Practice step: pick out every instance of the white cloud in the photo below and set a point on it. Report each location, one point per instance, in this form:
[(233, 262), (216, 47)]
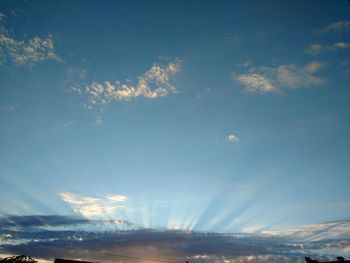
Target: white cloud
[(336, 27), (315, 66), (26, 52), (256, 83), (91, 207), (315, 49), (273, 79), (154, 83), (232, 138), (117, 198)]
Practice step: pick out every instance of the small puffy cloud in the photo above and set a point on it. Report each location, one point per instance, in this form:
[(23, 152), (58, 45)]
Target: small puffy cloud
[(315, 49), (338, 27), (273, 79), (26, 52), (232, 138), (91, 207), (315, 66), (154, 83)]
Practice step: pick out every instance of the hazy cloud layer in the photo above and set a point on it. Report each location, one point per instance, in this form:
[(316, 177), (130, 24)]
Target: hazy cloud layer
[(154, 83), (274, 79), (338, 27), (26, 52)]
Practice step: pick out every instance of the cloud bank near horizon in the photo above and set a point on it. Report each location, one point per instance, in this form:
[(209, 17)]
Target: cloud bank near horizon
[(98, 240)]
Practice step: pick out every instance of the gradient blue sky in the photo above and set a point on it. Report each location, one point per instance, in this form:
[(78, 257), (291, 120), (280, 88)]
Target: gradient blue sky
[(206, 115)]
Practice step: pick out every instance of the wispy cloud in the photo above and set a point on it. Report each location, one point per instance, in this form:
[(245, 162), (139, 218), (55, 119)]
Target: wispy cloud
[(338, 27), (273, 79), (92, 207), (25, 52), (232, 138), (2, 17), (11, 107), (254, 83), (315, 66), (315, 49), (153, 84)]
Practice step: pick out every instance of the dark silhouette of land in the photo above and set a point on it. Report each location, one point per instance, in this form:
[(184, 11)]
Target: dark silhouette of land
[(29, 259), (339, 259)]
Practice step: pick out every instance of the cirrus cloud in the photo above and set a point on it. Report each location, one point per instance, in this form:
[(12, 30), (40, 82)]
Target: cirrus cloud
[(315, 49), (338, 27), (274, 79)]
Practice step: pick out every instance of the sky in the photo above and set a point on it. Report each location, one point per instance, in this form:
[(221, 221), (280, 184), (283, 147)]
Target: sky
[(207, 116)]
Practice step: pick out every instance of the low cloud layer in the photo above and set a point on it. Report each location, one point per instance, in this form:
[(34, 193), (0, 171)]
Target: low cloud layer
[(49, 237), (275, 79)]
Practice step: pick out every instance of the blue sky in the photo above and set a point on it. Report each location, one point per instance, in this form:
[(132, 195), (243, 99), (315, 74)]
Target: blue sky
[(204, 115)]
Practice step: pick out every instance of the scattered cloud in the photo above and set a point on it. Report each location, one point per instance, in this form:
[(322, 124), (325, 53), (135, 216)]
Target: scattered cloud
[(315, 66), (315, 49), (75, 74), (246, 63), (154, 83), (74, 90), (203, 93), (232, 138), (91, 207), (339, 28), (254, 83), (26, 52), (68, 124), (273, 79)]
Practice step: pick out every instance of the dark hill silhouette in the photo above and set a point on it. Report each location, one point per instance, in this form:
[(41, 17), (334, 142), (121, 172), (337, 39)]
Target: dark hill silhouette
[(19, 259)]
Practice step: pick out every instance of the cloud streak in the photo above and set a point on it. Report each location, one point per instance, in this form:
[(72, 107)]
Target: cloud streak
[(274, 79), (316, 49), (338, 27)]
